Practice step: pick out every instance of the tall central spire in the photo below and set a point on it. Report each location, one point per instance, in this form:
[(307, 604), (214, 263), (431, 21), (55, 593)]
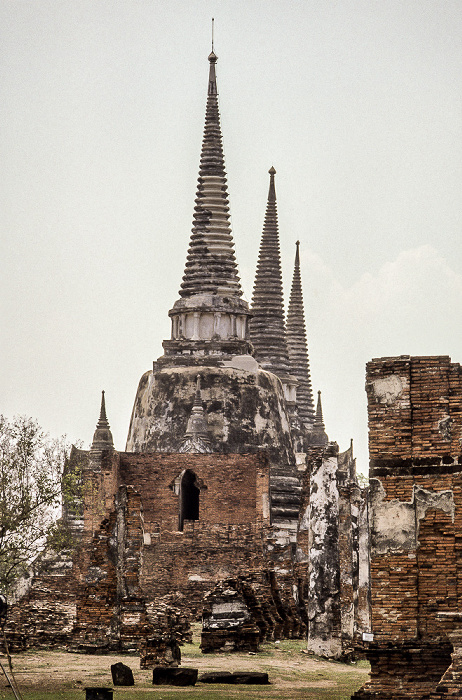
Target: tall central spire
[(210, 318), (211, 265)]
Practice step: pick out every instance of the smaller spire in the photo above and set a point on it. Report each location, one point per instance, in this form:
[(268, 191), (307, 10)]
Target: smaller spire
[(318, 435), (318, 421), (197, 396), (298, 347), (196, 437), (103, 422), (102, 437), (267, 326)]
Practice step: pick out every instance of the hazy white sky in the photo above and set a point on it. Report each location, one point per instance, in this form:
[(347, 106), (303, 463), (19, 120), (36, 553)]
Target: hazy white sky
[(356, 103)]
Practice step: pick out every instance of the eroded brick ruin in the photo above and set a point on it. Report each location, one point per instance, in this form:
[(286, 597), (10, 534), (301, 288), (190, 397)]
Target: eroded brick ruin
[(231, 505), (229, 502), (415, 429)]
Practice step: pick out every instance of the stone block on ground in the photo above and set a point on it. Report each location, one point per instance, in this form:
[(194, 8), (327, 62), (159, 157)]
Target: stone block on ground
[(121, 674), (236, 678), (98, 693), (165, 675), (216, 677), (251, 678)]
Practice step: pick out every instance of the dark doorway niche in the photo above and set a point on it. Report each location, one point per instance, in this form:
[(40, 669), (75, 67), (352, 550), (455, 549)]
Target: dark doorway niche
[(189, 498)]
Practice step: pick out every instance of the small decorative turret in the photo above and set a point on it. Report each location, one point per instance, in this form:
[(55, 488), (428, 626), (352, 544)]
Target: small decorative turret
[(267, 330), (298, 348), (196, 437), (318, 435), (210, 317), (102, 438)]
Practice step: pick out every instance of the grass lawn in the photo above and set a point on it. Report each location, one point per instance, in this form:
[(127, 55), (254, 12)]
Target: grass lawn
[(293, 675)]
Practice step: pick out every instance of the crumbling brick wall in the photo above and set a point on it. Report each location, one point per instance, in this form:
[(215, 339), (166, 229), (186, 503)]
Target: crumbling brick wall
[(46, 614), (133, 551), (415, 429), (111, 611), (225, 540), (241, 612), (131, 554)]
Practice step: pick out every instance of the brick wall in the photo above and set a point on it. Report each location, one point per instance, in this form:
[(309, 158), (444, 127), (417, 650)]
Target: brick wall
[(232, 486), (132, 557), (415, 429), (192, 561)]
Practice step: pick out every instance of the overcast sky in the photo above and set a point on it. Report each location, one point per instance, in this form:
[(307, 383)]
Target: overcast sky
[(356, 103)]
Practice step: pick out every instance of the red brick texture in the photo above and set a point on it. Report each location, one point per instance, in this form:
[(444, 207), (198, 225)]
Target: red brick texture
[(135, 571), (415, 427)]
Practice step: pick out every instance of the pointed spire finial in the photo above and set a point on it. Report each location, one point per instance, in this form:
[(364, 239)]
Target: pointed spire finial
[(298, 347), (213, 22), (272, 188), (297, 254), (102, 413), (197, 397), (212, 89)]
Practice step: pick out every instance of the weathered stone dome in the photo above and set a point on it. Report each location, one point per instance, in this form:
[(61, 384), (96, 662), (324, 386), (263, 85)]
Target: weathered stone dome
[(244, 408)]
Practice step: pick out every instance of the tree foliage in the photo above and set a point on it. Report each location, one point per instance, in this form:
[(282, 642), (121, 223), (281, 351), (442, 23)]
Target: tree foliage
[(363, 480), (31, 487)]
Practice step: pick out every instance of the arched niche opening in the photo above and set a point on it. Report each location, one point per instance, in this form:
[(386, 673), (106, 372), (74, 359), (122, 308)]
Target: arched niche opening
[(189, 498)]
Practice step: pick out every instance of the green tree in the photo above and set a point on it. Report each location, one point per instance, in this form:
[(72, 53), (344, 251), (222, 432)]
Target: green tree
[(32, 484)]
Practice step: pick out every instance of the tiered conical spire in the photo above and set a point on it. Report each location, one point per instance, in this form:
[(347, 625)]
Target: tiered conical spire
[(211, 265), (267, 330), (102, 437), (298, 348)]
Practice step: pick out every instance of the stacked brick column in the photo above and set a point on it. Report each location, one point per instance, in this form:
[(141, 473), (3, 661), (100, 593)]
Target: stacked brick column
[(414, 406)]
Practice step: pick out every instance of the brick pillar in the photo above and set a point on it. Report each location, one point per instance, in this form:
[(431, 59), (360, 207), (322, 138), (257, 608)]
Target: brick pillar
[(414, 408)]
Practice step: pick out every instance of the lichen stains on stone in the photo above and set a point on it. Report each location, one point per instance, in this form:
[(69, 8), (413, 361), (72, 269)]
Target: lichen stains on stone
[(242, 414)]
